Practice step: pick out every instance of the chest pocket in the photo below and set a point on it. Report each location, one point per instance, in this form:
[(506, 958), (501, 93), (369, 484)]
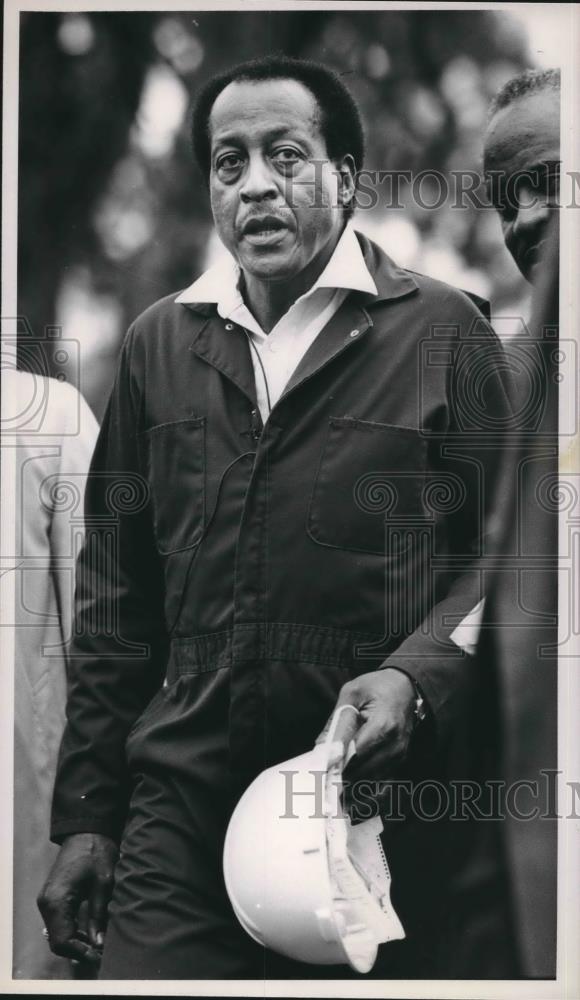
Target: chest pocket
[(369, 475), (175, 463)]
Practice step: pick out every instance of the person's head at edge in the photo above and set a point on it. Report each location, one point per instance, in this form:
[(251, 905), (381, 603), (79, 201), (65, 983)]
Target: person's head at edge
[(280, 142), (522, 160)]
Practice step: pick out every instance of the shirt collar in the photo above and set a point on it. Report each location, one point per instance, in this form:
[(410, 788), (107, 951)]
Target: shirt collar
[(345, 269)]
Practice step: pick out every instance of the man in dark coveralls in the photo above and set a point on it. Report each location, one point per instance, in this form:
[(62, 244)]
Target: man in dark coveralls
[(285, 511)]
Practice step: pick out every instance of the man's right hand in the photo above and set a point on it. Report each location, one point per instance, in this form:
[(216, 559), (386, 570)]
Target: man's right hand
[(83, 871)]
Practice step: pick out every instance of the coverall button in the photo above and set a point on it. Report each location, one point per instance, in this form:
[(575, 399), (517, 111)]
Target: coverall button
[(229, 326), (354, 333)]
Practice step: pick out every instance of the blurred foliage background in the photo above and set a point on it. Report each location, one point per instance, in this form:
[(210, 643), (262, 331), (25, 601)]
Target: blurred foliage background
[(112, 212)]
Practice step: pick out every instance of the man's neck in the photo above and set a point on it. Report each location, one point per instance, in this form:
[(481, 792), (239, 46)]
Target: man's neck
[(269, 300), (268, 303)]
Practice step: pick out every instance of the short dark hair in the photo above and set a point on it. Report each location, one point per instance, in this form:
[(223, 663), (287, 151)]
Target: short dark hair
[(528, 82), (341, 122)]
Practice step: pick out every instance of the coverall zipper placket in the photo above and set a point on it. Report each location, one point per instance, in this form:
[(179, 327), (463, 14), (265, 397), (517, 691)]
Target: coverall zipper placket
[(248, 701)]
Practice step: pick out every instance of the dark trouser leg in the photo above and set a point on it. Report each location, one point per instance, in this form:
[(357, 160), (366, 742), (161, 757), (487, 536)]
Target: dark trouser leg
[(170, 917)]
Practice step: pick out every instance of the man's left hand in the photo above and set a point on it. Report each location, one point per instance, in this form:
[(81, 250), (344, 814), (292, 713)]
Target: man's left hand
[(386, 703)]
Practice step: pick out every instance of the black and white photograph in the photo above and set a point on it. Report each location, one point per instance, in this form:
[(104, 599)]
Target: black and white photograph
[(290, 499)]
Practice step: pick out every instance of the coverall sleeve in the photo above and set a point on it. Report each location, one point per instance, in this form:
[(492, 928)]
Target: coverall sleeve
[(480, 404), (119, 647)]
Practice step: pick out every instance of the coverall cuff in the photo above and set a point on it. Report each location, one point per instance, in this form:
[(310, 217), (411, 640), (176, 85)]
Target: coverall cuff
[(419, 695), (107, 827), (445, 682)]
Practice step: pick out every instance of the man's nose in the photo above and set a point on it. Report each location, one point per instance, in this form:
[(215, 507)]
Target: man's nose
[(258, 181)]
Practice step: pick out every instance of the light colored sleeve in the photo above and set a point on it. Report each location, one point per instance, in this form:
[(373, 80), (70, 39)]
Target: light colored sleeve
[(80, 430)]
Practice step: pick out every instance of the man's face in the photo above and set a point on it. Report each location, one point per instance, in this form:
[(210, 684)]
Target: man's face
[(275, 196), (521, 163)]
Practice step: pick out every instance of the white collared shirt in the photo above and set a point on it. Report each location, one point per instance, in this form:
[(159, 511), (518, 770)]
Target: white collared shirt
[(276, 355)]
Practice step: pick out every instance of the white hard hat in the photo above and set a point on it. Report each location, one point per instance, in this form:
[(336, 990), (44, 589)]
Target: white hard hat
[(301, 878)]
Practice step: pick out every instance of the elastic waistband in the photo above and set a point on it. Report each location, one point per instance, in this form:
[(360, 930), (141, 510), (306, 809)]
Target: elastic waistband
[(269, 641)]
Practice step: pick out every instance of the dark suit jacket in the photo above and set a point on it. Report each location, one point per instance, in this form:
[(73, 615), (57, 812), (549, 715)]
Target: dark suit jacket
[(520, 633)]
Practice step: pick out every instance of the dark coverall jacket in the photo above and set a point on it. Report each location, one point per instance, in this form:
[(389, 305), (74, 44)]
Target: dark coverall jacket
[(235, 576)]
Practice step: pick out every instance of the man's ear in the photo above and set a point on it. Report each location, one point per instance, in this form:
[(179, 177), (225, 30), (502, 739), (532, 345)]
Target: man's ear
[(345, 168)]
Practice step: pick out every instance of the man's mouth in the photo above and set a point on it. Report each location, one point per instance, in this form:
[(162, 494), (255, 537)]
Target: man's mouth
[(264, 230)]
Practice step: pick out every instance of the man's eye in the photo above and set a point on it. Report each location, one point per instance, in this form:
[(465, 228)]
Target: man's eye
[(228, 164), (541, 182), (286, 158)]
